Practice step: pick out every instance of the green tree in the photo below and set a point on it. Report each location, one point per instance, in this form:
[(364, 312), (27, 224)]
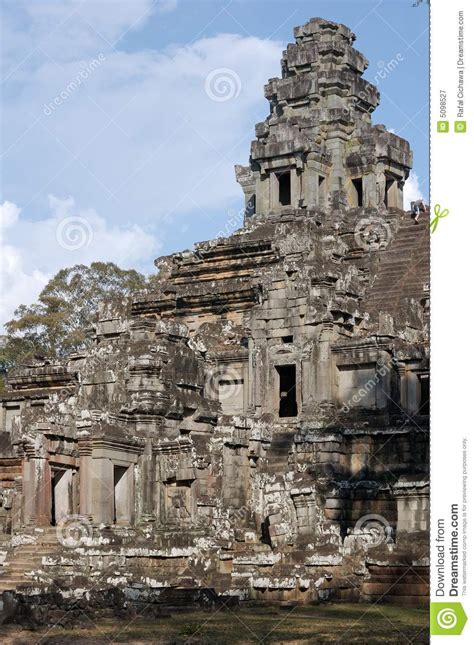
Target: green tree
[(57, 324)]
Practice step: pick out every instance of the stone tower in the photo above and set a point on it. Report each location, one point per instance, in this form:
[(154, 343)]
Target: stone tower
[(318, 148), (257, 424)]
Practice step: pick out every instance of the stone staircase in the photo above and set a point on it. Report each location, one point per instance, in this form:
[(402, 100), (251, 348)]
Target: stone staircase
[(23, 562), (400, 585), (404, 269)]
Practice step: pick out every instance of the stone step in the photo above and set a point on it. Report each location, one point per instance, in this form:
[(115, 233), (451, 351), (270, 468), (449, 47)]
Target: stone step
[(395, 589), (14, 580), (36, 549), (408, 578), (21, 566), (405, 601), (396, 569)]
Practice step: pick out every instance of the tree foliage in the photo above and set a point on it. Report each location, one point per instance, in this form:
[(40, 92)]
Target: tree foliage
[(59, 322)]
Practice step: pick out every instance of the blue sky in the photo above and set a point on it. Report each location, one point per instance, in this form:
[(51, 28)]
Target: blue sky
[(113, 149)]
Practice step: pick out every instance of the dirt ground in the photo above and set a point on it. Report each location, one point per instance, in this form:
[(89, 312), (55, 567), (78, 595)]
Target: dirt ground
[(308, 625)]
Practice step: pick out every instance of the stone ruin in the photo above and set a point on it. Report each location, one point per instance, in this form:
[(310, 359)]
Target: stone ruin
[(257, 427)]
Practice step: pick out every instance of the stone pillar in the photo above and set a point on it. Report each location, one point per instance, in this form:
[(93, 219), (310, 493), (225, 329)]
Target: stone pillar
[(40, 477), (380, 184), (259, 378), (251, 376), (311, 184), (336, 147), (296, 187), (262, 203), (308, 375), (369, 190), (85, 478), (307, 391), (412, 390), (146, 511), (102, 482), (323, 366), (28, 494), (245, 177), (17, 510)]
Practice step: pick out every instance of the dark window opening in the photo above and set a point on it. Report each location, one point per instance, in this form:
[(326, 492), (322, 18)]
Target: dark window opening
[(287, 339), (357, 183), (388, 185), (287, 391), (250, 207), (56, 476), (284, 188), (424, 407), (54, 481), (321, 190)]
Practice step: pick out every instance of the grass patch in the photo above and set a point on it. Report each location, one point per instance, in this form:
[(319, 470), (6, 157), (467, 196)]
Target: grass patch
[(302, 625)]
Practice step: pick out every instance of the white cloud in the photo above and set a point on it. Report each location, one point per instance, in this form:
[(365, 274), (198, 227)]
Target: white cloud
[(147, 136), (411, 191), (9, 213), (32, 252)]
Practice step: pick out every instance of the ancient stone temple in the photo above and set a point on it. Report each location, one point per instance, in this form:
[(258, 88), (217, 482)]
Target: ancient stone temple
[(258, 425)]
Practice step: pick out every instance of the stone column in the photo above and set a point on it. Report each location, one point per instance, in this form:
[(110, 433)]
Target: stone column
[(28, 493), (262, 204), (369, 190), (380, 180), (336, 147), (323, 366), (40, 475), (310, 184), (245, 177), (412, 391), (102, 482), (251, 377), (17, 510), (146, 511), (308, 380), (85, 478), (296, 187)]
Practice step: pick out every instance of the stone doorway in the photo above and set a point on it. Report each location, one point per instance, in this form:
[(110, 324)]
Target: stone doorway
[(61, 494), (122, 495)]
